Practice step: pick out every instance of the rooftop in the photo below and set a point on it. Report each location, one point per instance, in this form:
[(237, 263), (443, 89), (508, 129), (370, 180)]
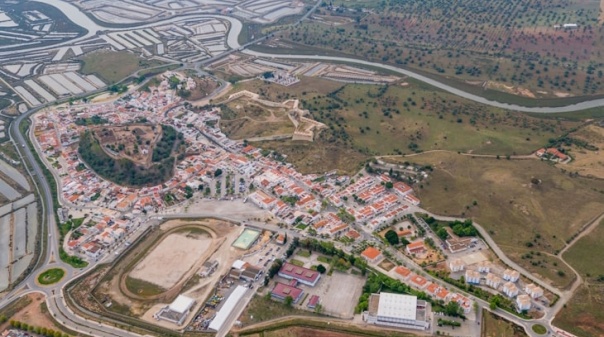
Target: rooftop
[(397, 306), (371, 253)]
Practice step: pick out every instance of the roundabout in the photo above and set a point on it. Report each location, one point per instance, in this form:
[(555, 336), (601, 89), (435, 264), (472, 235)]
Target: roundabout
[(51, 276)]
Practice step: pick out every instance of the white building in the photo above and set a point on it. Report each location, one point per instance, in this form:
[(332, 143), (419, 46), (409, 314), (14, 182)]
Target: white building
[(396, 310), (533, 291), (177, 311), (510, 289), (523, 302), (472, 277), (493, 281), (484, 267), (511, 275), (456, 265)]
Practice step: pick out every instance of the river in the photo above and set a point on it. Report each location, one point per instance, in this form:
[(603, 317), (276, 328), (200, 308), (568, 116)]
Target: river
[(79, 18)]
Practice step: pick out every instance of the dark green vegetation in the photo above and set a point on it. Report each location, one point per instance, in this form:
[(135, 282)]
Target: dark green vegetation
[(124, 171), (70, 224), (459, 228), (51, 276), (513, 45), (164, 148), (528, 221), (94, 120)]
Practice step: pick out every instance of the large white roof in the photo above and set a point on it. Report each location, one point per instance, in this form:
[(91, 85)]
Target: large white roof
[(227, 308), (181, 304), (238, 264), (397, 306)]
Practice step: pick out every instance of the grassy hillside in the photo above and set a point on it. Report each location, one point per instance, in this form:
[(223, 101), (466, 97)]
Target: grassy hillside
[(527, 220)]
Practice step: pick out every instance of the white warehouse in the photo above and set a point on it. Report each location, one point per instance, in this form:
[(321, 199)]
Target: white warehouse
[(402, 311)]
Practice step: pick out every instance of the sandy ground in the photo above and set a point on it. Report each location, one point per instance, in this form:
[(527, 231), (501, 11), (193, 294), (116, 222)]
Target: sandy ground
[(225, 254), (32, 314), (171, 259)]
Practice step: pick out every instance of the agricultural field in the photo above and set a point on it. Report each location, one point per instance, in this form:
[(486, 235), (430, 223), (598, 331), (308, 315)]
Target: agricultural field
[(495, 326), (520, 48), (583, 314), (526, 205), (112, 66)]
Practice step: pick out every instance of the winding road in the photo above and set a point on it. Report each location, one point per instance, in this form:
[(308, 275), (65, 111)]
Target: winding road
[(54, 293)]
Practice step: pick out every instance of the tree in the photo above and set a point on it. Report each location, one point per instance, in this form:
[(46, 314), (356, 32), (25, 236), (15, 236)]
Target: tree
[(318, 308), (453, 309), (321, 269), (389, 184), (392, 237), (217, 173), (289, 301), (442, 233)]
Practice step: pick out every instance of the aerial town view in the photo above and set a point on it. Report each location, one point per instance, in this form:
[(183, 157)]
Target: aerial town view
[(301, 168)]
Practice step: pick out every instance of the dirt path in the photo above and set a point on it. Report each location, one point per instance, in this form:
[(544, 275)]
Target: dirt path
[(329, 320), (518, 157)]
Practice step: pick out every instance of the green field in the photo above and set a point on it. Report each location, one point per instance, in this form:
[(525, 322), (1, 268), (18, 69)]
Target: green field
[(519, 215), (261, 309), (583, 314), (584, 255), (113, 66), (495, 326), (51, 276), (143, 288)]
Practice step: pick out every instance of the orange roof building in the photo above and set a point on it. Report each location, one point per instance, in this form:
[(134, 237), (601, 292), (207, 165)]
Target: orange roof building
[(371, 254)]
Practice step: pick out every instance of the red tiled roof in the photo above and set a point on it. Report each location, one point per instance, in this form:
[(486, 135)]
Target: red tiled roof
[(371, 253)]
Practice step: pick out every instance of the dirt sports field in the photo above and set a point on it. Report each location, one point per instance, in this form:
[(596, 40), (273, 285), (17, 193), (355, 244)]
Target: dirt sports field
[(171, 259)]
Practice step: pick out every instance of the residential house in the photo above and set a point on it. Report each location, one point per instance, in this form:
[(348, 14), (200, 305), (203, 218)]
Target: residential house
[(510, 289), (523, 303), (472, 277), (511, 275), (493, 280), (533, 290), (456, 265), (416, 247), (371, 255)]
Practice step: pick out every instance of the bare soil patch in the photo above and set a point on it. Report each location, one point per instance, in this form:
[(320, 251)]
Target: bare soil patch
[(170, 260)]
